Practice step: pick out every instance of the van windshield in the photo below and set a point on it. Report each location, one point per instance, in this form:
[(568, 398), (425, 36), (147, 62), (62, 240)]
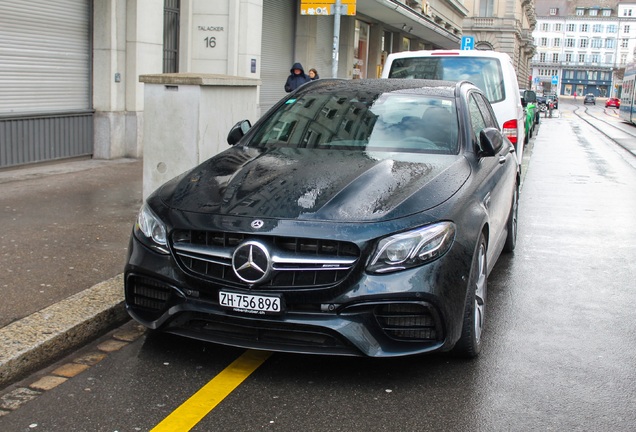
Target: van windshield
[(485, 73)]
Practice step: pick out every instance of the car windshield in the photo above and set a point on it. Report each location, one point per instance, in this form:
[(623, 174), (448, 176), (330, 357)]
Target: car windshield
[(397, 121), (485, 73)]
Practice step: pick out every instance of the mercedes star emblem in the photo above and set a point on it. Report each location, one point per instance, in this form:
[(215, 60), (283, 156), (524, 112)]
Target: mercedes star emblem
[(251, 262), (257, 224)]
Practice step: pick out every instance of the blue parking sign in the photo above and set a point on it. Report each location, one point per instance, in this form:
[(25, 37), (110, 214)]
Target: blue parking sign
[(555, 79), (468, 42)]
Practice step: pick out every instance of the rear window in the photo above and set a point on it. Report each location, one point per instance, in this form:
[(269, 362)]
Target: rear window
[(485, 73)]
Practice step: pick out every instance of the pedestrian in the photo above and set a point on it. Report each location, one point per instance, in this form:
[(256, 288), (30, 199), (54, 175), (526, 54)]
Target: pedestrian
[(296, 78), (574, 95), (313, 74)]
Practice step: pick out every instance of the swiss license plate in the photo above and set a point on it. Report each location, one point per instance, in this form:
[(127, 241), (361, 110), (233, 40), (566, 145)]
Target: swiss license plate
[(249, 303)]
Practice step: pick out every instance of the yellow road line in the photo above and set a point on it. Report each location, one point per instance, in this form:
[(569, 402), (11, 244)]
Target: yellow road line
[(186, 416)]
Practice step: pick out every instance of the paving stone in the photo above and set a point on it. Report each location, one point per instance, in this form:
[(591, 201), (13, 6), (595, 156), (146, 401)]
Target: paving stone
[(48, 382), (111, 345), (129, 335), (91, 359), (13, 400), (70, 370)]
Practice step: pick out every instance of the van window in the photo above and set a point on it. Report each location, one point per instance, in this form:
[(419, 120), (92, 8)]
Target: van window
[(485, 73)]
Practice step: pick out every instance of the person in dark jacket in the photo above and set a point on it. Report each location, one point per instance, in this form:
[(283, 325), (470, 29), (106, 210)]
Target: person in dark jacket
[(313, 74), (296, 78)]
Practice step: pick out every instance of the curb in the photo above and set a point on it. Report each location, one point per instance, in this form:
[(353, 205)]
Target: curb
[(40, 338)]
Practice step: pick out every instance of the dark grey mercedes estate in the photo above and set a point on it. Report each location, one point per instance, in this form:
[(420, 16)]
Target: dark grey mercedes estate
[(357, 217)]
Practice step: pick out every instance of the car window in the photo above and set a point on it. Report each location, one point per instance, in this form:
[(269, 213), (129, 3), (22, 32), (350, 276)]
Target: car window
[(489, 117), (485, 73), (387, 122), (477, 121)]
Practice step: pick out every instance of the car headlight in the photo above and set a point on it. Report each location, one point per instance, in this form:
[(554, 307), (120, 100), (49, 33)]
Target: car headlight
[(150, 230), (412, 248)]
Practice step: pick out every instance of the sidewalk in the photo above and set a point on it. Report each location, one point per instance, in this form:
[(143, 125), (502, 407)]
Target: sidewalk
[(66, 228)]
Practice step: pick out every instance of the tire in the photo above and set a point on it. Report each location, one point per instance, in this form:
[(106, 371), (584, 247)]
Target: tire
[(469, 344), (511, 225)]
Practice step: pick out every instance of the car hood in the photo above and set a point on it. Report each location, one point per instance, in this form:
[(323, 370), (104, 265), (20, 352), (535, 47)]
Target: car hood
[(309, 184)]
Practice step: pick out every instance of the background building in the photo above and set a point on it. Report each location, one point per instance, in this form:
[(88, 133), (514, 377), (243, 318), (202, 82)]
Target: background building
[(69, 69), (582, 46)]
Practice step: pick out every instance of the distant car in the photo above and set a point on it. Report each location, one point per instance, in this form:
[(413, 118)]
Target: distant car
[(589, 99), (554, 98), (356, 217), (529, 103), (613, 102)]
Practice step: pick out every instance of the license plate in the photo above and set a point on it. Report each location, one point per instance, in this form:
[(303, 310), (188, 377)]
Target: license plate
[(248, 303)]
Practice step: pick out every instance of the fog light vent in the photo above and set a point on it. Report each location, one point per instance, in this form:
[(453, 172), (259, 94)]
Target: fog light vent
[(409, 322), (149, 294)]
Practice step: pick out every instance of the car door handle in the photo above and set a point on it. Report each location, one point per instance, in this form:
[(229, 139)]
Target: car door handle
[(502, 160)]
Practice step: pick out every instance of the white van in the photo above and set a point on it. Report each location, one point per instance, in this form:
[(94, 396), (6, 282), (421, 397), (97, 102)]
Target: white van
[(491, 71)]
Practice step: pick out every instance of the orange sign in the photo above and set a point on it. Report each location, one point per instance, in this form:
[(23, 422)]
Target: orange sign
[(327, 7)]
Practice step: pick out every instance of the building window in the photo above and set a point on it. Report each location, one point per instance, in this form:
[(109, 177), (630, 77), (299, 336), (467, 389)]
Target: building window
[(623, 59), (543, 42), (545, 27), (486, 8), (607, 12), (542, 57), (581, 58), (610, 43), (557, 42), (554, 11), (571, 27), (596, 58), (583, 43), (555, 57), (593, 12), (597, 43), (570, 42), (583, 28), (558, 27), (627, 12), (624, 43), (580, 11), (568, 57), (171, 36), (597, 28), (612, 28), (626, 29)]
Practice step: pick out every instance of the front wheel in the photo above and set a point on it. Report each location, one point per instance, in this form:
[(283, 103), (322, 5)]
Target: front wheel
[(469, 344)]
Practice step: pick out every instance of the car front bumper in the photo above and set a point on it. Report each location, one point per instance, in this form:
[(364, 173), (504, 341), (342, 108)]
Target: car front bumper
[(409, 312)]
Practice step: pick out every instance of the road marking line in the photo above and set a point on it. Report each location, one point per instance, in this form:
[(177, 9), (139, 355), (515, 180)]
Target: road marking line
[(186, 416)]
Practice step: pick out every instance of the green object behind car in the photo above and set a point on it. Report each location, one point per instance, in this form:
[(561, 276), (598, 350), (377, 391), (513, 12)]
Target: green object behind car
[(529, 102)]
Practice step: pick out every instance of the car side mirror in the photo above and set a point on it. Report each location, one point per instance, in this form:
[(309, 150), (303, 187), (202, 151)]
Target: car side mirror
[(238, 131), (529, 96), (490, 141)]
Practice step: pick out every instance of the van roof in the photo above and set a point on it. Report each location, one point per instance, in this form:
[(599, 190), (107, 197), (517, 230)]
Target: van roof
[(463, 53)]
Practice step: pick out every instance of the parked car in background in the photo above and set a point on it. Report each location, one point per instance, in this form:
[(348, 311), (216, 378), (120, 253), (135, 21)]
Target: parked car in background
[(613, 103), (493, 72), (589, 99), (528, 101), (554, 98), (357, 217)]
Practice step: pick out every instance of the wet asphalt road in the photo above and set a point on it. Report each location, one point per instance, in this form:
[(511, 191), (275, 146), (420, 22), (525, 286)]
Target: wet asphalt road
[(559, 350)]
